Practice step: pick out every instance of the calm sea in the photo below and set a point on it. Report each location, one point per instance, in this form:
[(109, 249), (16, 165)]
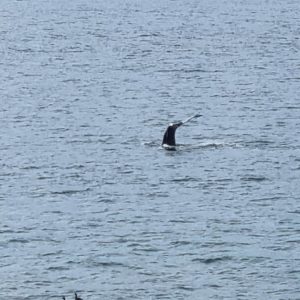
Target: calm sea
[(89, 202)]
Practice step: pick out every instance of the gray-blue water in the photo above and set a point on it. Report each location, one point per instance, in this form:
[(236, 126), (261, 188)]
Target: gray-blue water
[(89, 202)]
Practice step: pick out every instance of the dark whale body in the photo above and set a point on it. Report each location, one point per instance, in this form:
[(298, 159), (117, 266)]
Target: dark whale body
[(169, 141)]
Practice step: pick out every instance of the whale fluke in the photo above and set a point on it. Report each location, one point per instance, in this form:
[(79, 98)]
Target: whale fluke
[(169, 141)]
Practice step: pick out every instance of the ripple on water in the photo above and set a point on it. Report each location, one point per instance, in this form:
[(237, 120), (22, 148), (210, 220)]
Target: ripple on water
[(90, 201)]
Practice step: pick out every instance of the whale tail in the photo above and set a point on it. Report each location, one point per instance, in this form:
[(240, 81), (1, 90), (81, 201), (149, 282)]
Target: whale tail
[(169, 136), (169, 142)]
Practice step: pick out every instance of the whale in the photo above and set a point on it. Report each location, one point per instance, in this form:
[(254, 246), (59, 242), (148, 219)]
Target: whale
[(169, 140)]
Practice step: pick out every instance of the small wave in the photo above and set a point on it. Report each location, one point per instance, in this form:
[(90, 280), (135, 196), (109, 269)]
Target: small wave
[(259, 143), (69, 192), (108, 264), (212, 144), (151, 144), (186, 288), (211, 260), (52, 253), (254, 178), (26, 50), (266, 199), (7, 231), (150, 34), (293, 107), (22, 241), (58, 268), (214, 286), (150, 249), (184, 179), (194, 71), (180, 221), (203, 145), (180, 243), (29, 168)]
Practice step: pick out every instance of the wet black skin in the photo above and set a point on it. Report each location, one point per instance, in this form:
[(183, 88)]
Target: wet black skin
[(169, 136)]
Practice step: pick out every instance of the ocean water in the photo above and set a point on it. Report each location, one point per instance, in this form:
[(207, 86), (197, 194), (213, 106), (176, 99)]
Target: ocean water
[(89, 202)]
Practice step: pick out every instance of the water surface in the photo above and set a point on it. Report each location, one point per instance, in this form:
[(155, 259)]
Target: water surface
[(88, 199)]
